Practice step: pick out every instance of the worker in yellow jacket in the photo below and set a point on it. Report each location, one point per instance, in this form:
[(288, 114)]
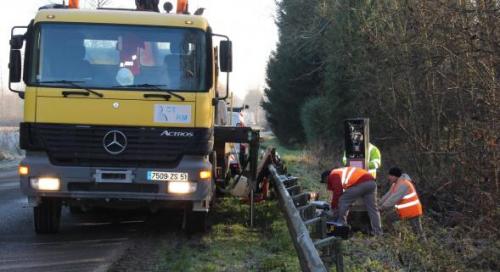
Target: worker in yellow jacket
[(374, 159)]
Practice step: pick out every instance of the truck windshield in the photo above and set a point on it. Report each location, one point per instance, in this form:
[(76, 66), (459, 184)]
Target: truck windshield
[(120, 57)]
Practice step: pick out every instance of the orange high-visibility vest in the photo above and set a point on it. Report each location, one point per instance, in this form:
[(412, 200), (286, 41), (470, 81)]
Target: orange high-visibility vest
[(409, 206), (350, 176)]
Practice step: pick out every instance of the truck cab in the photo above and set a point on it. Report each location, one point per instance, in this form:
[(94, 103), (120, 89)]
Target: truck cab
[(118, 111)]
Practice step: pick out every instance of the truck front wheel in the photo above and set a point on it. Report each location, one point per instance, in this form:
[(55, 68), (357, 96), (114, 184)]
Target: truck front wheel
[(47, 216)]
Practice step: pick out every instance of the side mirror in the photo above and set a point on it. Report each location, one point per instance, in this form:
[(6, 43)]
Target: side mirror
[(16, 42), (15, 66), (226, 56)]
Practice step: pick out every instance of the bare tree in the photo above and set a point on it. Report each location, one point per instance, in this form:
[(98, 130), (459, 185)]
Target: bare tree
[(253, 99)]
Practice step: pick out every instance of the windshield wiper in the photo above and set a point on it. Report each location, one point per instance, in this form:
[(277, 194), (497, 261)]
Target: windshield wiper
[(74, 84), (156, 87)]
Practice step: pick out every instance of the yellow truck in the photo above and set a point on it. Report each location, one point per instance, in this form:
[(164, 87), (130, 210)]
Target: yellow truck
[(118, 111)]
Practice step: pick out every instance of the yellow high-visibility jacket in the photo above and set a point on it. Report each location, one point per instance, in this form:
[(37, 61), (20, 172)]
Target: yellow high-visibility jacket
[(374, 159)]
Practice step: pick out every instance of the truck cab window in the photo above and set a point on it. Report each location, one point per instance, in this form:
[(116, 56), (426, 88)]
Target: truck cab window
[(96, 56)]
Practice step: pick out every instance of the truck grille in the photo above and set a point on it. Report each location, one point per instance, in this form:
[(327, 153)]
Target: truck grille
[(113, 187), (146, 146)]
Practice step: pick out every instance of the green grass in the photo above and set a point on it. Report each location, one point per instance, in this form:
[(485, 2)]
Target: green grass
[(231, 245), (399, 250), (300, 163)]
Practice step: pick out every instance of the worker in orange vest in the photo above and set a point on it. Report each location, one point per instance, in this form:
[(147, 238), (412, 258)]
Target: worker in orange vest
[(348, 184), (401, 202)]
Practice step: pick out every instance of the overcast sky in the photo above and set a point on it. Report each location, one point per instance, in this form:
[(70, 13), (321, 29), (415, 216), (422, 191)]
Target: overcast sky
[(249, 23)]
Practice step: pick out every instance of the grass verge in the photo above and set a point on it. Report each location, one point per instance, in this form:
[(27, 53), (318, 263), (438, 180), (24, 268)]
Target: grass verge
[(232, 245), (446, 249)]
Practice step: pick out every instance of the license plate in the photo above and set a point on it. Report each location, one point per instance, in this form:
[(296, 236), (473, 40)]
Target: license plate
[(167, 176)]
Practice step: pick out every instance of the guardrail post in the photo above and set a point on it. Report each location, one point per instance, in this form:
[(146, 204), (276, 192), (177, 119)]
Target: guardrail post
[(289, 181), (307, 212), (339, 260), (294, 190), (300, 199), (301, 217), (308, 255)]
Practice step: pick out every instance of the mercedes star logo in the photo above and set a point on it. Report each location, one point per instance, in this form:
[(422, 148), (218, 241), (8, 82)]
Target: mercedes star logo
[(114, 142)]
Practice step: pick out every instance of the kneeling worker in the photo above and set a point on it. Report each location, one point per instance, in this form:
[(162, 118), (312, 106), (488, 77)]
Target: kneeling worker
[(348, 184), (401, 202)]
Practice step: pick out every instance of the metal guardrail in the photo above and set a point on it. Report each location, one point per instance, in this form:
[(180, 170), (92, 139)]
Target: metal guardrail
[(300, 216)]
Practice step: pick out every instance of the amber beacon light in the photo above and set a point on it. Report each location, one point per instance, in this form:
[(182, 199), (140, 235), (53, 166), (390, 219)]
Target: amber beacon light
[(74, 4), (205, 174), (182, 6), (23, 170)]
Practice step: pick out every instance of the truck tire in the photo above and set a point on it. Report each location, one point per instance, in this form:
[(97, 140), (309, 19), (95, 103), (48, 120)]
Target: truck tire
[(47, 216), (196, 222), (75, 210)]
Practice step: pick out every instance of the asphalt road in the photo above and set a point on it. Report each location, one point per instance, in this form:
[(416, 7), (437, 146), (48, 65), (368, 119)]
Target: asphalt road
[(88, 242)]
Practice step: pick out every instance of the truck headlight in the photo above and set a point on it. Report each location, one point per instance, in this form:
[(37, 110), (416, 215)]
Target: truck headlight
[(181, 187), (45, 184)]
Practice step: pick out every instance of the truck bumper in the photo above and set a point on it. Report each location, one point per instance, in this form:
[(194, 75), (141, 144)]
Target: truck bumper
[(85, 185)]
